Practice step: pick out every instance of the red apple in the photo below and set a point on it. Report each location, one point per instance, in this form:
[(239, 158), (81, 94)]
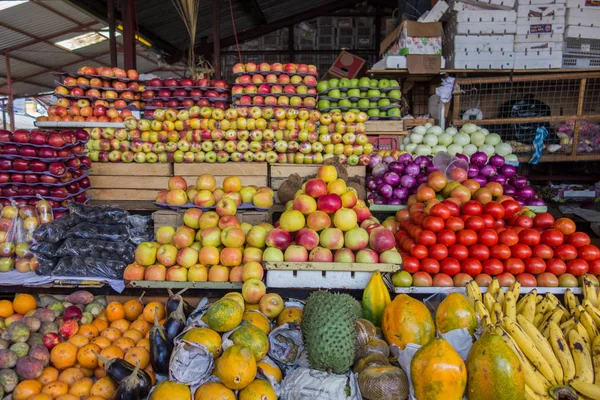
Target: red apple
[(37, 166), (11, 149), (57, 168), (28, 151), (172, 82), (31, 178), (38, 137), (20, 165), (155, 82), (48, 179)]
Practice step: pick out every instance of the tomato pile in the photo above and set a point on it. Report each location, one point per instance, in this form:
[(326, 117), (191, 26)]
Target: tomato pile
[(445, 244)]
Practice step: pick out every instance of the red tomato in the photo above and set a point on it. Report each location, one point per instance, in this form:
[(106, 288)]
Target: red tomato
[(556, 266), (514, 266), (411, 264), (543, 251), (588, 252), (408, 245), (440, 210), (471, 266), (422, 279), (472, 207), (488, 237), (430, 266), (479, 252), (500, 252), (494, 209), (520, 251), (493, 267), (426, 238), (543, 220), (517, 229), (401, 234), (483, 280), (450, 266), (595, 266), (414, 231), (535, 265), (552, 237), (418, 217), (442, 280), (488, 221), (508, 237), (453, 207), (438, 252), (527, 280), (547, 279), (530, 237), (466, 237), (499, 223), (577, 266), (566, 252), (565, 225), (506, 279), (524, 221), (510, 208), (455, 224), (475, 223), (419, 252), (458, 251), (446, 237), (579, 239), (434, 224)]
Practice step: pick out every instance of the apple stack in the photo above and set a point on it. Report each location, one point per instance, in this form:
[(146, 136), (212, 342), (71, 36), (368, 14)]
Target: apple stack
[(283, 85), (96, 95), (184, 93), (378, 98), (210, 246), (321, 224)]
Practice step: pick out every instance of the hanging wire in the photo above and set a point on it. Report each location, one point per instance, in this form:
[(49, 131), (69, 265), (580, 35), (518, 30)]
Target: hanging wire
[(237, 43)]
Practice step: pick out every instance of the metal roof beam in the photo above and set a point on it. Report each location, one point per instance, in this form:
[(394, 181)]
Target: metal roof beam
[(25, 81), (253, 7), (81, 28), (12, 56)]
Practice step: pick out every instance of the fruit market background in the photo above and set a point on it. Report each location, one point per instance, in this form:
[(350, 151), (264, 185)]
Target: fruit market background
[(261, 200)]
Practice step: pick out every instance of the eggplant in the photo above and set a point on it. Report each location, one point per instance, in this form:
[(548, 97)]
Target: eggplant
[(160, 348), (174, 300), (119, 370), (175, 323), (129, 388)]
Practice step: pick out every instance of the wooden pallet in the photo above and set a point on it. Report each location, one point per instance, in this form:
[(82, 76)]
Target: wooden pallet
[(280, 172), (120, 181), (249, 173)]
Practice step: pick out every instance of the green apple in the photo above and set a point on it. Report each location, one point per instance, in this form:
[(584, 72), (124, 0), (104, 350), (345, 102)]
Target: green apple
[(343, 95), (354, 110), (363, 94), (384, 102), (394, 112), (394, 83), (364, 82), (322, 86), (333, 83), (394, 94), (353, 92), (335, 93), (373, 112), (354, 82), (344, 82), (383, 113), (373, 83), (333, 104), (335, 110), (352, 160), (345, 103), (372, 104), (402, 279), (354, 104), (323, 104), (363, 103), (383, 83), (373, 93)]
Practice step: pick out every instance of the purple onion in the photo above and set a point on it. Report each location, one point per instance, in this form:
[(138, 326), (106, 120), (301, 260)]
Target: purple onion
[(518, 182), (379, 200), (405, 158), (371, 184), (401, 192), (375, 160), (422, 161), (412, 169), (508, 170), (379, 181), (526, 192), (408, 181), (388, 159), (535, 202), (396, 167), (497, 160), (520, 201), (479, 158), (394, 201), (508, 189), (386, 190), (501, 179), (391, 178), (480, 179), (473, 170), (463, 157), (372, 196), (431, 168), (488, 170), (379, 170), (422, 178)]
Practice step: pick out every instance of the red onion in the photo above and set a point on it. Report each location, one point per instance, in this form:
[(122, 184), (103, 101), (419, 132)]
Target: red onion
[(379, 181), (375, 160), (488, 170), (405, 158), (412, 169), (518, 182), (526, 192), (371, 184), (501, 179), (473, 170), (508, 170), (372, 196), (431, 168), (388, 159), (480, 179), (422, 161), (401, 192), (508, 189), (379, 169), (391, 178), (479, 158), (497, 160), (394, 201), (535, 202), (408, 181), (422, 178), (379, 200), (396, 167), (462, 156), (520, 201), (386, 190)]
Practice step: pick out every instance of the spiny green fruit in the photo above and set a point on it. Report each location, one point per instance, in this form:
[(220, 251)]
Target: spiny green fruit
[(328, 326)]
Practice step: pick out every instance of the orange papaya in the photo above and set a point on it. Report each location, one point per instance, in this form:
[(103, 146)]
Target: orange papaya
[(455, 312), (407, 320)]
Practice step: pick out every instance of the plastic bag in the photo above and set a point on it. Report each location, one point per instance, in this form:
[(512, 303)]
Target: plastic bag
[(44, 265), (91, 231), (526, 107), (285, 344), (305, 383), (89, 267), (140, 229), (98, 214), (53, 232), (44, 249), (121, 251), (191, 363)]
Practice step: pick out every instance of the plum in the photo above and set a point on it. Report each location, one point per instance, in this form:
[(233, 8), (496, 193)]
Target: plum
[(18, 332), (21, 349), (4, 344), (35, 338), (29, 367), (8, 379), (45, 315), (32, 323), (80, 297), (48, 327), (8, 358), (40, 352)]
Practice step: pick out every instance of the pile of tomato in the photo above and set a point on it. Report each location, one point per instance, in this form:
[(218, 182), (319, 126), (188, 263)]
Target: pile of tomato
[(444, 244)]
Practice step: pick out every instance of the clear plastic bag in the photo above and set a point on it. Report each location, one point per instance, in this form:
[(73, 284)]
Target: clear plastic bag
[(140, 229), (91, 231), (98, 214), (89, 267), (54, 231), (120, 251), (46, 249), (45, 265)]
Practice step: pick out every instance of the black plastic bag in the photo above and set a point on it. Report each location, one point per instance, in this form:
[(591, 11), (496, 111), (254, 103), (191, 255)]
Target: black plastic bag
[(44, 249), (120, 251), (52, 232), (98, 214), (89, 267), (526, 107), (46, 266), (140, 228), (112, 233)]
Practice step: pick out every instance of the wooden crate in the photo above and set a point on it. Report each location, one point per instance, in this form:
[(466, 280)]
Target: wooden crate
[(120, 181), (385, 128), (280, 172), (249, 173)]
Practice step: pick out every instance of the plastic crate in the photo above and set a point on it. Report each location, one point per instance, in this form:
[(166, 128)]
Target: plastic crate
[(343, 31), (345, 41), (581, 47), (271, 41), (384, 142), (363, 22), (364, 42), (326, 42), (580, 62), (326, 30), (344, 23), (325, 21)]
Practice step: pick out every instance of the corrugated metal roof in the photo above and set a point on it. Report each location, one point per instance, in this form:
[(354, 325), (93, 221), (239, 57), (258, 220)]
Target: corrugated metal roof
[(12, 38), (45, 54), (18, 68), (35, 19), (73, 12)]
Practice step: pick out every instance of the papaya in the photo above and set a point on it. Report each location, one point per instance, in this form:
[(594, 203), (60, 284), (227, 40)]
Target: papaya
[(494, 371), (437, 372), (407, 320), (455, 312), (170, 390), (375, 298)]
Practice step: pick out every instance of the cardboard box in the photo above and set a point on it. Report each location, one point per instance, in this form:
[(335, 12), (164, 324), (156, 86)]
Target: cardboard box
[(538, 46), (582, 32), (398, 62), (483, 61), (538, 38), (536, 11), (583, 17), (540, 28), (483, 43), (436, 13), (347, 65), (464, 25), (583, 3), (540, 59), (413, 38), (541, 2), (493, 4)]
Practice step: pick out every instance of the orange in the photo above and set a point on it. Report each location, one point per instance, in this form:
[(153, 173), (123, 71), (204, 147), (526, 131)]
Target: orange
[(63, 355), (101, 341), (86, 371), (55, 389), (114, 311), (26, 389), (124, 343), (79, 340), (151, 308), (101, 324), (102, 315), (71, 375), (111, 334), (86, 356), (82, 387), (214, 390), (67, 397), (88, 330), (138, 355), (6, 308), (134, 335), (104, 388), (109, 353), (151, 374), (133, 309), (23, 303), (145, 343), (140, 325), (120, 324), (94, 398), (49, 374), (41, 396), (99, 373)]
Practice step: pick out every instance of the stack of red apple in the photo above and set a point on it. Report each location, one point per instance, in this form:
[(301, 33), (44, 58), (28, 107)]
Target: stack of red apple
[(96, 95), (321, 224), (284, 85), (185, 93), (50, 165)]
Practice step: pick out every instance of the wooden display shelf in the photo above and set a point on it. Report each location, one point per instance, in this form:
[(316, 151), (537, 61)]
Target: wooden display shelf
[(330, 266), (280, 172), (124, 181), (183, 285), (385, 128), (249, 173), (389, 72)]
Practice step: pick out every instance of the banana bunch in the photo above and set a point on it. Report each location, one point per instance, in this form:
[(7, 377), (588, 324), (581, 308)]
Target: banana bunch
[(558, 345)]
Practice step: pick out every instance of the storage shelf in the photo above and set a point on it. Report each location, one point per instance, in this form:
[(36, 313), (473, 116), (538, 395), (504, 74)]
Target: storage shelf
[(485, 71), (451, 289), (74, 124)]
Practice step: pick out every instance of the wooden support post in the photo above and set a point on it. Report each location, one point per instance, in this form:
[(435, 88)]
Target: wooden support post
[(112, 37), (291, 43), (577, 127), (216, 38), (11, 109), (129, 53)]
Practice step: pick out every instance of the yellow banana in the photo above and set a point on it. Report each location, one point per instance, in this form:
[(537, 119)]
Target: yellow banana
[(529, 349), (593, 311), (578, 310), (510, 306), (584, 370), (530, 394), (566, 326), (570, 300), (584, 335), (562, 352), (522, 302), (537, 320), (589, 291), (596, 359), (500, 296), (543, 346), (473, 291), (590, 326), (587, 389), (494, 287), (555, 317), (486, 321), (480, 309), (497, 314), (528, 310), (515, 288), (542, 307), (488, 301), (554, 301)]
